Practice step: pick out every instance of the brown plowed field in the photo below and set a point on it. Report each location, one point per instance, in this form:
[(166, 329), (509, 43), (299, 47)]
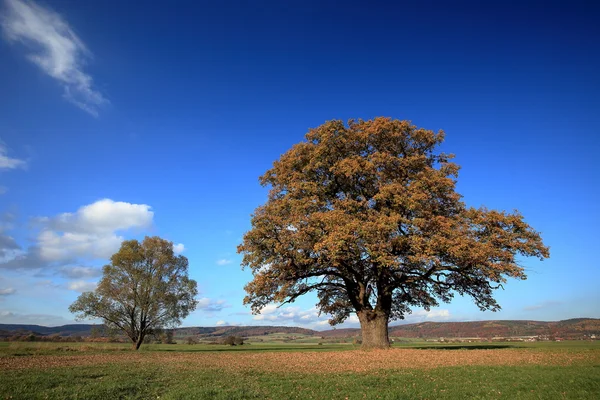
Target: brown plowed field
[(312, 362)]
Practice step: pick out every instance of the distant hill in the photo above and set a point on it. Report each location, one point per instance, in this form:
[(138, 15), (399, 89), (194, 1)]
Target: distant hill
[(8, 330), (568, 329), (571, 328), (38, 330), (221, 331)]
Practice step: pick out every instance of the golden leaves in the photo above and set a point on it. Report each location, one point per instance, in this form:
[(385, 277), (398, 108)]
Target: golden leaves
[(311, 362), (371, 203)]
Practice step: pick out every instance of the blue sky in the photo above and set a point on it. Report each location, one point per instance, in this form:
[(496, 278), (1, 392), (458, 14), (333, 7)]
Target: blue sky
[(119, 120)]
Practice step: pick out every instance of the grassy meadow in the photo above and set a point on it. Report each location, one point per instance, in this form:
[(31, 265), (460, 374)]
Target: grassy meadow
[(276, 370)]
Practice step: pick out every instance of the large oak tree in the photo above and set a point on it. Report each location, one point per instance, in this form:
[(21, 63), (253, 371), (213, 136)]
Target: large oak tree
[(144, 289), (367, 215)]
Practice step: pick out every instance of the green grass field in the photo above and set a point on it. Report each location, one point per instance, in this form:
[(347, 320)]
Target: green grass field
[(412, 370)]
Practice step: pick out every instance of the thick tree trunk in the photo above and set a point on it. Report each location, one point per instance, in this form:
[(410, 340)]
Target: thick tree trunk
[(374, 329)]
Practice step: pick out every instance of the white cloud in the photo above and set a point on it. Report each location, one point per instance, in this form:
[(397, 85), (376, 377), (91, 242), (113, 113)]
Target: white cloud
[(420, 315), (208, 305), (438, 314), (178, 248), (81, 286), (269, 309), (7, 291), (89, 233), (56, 49), (222, 323), (67, 246), (441, 314), (291, 316), (102, 216), (7, 162), (223, 261)]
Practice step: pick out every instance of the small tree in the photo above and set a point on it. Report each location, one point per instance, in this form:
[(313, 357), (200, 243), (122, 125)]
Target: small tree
[(238, 341), (366, 215), (95, 332), (145, 287), (229, 340), (167, 337), (191, 340)]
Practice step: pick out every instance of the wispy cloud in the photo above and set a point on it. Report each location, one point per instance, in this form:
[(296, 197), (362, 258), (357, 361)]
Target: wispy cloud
[(9, 248), (81, 286), (209, 305), (55, 48), (7, 291), (543, 305), (7, 162), (223, 261), (438, 314)]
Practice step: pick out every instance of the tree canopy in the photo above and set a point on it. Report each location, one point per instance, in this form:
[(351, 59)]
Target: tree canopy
[(143, 289), (367, 215)]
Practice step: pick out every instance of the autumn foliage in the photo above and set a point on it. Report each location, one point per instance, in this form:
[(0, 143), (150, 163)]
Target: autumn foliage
[(309, 362), (367, 215)]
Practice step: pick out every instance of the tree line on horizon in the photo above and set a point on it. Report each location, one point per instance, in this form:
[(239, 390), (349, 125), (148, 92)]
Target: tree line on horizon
[(572, 329)]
